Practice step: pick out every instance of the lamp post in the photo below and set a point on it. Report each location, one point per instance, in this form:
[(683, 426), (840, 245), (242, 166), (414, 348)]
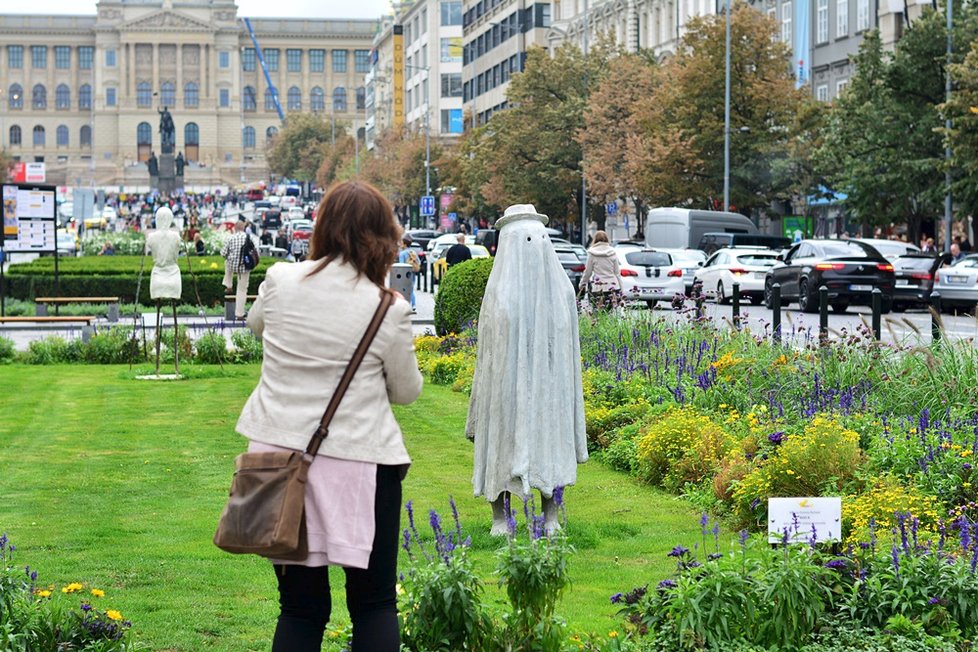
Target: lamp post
[(583, 178), (947, 126), (726, 116)]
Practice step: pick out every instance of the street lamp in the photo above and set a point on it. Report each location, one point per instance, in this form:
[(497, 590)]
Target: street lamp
[(726, 117), (947, 126)]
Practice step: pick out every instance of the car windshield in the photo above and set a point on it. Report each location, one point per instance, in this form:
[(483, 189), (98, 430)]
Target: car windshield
[(890, 248), (764, 260), (648, 259), (914, 262), (848, 249)]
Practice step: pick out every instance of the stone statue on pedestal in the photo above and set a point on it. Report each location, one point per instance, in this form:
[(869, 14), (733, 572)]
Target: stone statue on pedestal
[(180, 163), (168, 138), (153, 164)]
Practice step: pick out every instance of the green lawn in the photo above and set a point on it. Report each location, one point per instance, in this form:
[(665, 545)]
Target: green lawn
[(118, 483)]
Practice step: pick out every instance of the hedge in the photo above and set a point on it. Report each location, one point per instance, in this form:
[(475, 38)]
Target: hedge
[(459, 297), (117, 276)]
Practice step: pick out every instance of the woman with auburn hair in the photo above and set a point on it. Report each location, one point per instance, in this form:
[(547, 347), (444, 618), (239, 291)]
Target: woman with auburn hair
[(310, 316)]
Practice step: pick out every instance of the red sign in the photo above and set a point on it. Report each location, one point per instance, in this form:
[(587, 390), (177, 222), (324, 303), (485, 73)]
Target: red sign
[(19, 173)]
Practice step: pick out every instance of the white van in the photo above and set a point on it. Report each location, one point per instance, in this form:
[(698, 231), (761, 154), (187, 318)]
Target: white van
[(682, 228)]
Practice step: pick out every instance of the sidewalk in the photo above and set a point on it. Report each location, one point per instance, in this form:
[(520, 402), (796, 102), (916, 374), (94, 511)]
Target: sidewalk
[(23, 335)]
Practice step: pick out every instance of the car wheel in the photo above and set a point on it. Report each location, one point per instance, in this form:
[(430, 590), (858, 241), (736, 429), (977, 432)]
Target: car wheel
[(720, 296), (768, 295), (899, 307), (651, 303), (886, 305), (840, 308), (806, 301)]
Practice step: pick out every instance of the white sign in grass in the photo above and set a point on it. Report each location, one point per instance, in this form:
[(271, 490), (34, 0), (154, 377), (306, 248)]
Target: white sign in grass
[(804, 520)]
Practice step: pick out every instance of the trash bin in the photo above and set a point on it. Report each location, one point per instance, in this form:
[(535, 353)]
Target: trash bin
[(402, 279)]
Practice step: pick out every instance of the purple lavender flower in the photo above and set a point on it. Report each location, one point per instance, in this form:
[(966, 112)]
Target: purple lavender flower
[(666, 585), (678, 551), (837, 564), (895, 557), (406, 543), (559, 496), (754, 503), (965, 529), (458, 522), (776, 437), (966, 466), (743, 535), (86, 607), (935, 600), (616, 598), (716, 534), (704, 521), (713, 556), (942, 531)]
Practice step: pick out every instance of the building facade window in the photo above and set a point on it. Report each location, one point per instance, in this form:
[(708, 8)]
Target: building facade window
[(295, 99), (317, 60), (361, 61), (451, 121), (822, 21), (249, 99), (85, 136), (144, 94), (39, 56), (841, 18), (62, 97), (451, 85), (269, 100), (451, 13), (248, 59), (822, 92), (451, 49), (39, 136), (110, 58), (293, 59), (61, 136), (786, 37), (85, 97), (62, 57), (271, 59), (110, 96), (339, 60), (224, 98), (339, 99), (15, 135), (191, 95), (168, 93), (840, 86), (86, 56), (270, 134), (361, 98), (317, 99), (248, 138), (191, 141), (15, 97), (144, 134), (39, 97), (862, 15), (224, 59), (15, 56)]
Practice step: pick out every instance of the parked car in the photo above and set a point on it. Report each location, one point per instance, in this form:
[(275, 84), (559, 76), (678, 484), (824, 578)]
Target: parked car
[(747, 266), (681, 228), (572, 264), (296, 213), (712, 242), (851, 270), (649, 275), (271, 219), (958, 284), (690, 260), (422, 236), (891, 249), (914, 276), (441, 244)]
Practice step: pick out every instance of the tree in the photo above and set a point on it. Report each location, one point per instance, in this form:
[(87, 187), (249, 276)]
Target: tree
[(338, 157), (397, 165), (464, 169), (605, 139), (962, 109), (677, 157), (530, 151), (298, 150)]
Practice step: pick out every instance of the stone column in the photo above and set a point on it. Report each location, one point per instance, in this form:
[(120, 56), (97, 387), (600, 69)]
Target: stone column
[(156, 67), (131, 71), (203, 54), (179, 55)]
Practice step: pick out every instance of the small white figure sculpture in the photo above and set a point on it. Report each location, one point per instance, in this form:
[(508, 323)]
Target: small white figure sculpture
[(164, 282), (526, 413)]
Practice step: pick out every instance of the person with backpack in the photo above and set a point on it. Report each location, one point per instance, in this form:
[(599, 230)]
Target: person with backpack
[(409, 256), (240, 257)]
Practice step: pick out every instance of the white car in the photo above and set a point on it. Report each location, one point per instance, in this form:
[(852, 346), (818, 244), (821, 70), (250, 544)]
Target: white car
[(649, 275), (690, 260), (958, 284), (438, 246), (295, 213), (747, 266), (109, 214)]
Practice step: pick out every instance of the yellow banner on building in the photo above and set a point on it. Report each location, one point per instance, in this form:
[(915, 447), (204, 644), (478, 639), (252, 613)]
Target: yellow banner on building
[(398, 82)]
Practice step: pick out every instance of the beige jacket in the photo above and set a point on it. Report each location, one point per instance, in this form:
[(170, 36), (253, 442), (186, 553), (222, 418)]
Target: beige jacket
[(602, 269), (309, 328)]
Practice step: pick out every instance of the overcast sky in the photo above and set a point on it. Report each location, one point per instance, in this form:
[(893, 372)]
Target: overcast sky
[(246, 8)]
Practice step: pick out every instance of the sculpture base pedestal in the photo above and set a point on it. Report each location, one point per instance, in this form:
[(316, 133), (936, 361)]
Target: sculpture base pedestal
[(167, 181)]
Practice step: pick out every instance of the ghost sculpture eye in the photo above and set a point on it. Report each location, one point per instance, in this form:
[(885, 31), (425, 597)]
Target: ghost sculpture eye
[(528, 238)]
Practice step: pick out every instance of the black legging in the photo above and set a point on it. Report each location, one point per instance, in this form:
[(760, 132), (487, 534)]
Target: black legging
[(370, 593)]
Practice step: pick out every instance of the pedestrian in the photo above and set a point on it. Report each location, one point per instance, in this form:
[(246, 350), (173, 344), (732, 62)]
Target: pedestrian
[(107, 249), (956, 253), (408, 256), (233, 253), (602, 273), (315, 312), (199, 248), (458, 252)]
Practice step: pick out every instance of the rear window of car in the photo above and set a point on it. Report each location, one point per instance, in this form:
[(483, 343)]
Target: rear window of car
[(852, 249), (757, 259), (648, 259), (915, 263), (567, 257)]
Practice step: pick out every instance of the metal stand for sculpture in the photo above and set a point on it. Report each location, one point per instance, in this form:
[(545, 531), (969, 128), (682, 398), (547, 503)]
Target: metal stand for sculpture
[(526, 413)]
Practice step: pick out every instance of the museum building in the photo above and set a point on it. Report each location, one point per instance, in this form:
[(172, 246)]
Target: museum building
[(82, 93)]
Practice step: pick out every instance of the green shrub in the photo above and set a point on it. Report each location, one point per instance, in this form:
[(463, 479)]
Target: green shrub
[(460, 294), (211, 348), (166, 350), (247, 347), (681, 446), (50, 350), (111, 346), (7, 350)]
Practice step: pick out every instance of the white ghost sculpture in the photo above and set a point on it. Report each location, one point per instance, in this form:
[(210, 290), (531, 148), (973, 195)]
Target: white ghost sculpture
[(164, 245), (526, 412)]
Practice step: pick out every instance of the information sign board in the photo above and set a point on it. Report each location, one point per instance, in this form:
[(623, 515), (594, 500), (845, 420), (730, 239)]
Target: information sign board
[(427, 205), (802, 519), (29, 218)]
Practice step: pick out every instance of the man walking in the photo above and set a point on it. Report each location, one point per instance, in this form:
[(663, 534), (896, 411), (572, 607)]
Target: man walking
[(234, 264), (458, 252)]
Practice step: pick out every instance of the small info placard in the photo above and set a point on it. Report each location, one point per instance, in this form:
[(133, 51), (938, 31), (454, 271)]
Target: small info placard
[(799, 515)]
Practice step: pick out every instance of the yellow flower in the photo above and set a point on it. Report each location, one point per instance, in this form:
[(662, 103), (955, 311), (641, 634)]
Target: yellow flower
[(98, 593), (113, 614), (613, 634), (213, 265), (790, 472), (44, 593), (72, 588)]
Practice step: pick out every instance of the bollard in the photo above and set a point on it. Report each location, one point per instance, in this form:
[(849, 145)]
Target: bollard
[(877, 312), (823, 314), (736, 304), (935, 316), (776, 308)]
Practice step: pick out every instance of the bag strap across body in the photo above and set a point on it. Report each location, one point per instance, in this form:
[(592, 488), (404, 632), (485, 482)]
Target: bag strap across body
[(386, 299)]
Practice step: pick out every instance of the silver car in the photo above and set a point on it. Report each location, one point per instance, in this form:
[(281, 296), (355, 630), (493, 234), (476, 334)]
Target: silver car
[(958, 284)]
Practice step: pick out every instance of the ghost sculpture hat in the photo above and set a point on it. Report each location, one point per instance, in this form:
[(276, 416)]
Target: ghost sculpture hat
[(518, 212)]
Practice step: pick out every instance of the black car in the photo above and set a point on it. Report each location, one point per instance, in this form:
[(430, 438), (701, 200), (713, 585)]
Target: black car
[(914, 276), (572, 265), (422, 237), (850, 270)]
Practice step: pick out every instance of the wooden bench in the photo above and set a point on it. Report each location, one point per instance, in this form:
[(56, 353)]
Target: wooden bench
[(41, 304), (229, 300), (87, 322)]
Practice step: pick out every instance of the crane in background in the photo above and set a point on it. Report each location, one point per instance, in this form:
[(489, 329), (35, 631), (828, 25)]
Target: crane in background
[(264, 69)]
